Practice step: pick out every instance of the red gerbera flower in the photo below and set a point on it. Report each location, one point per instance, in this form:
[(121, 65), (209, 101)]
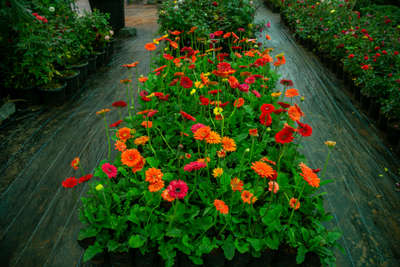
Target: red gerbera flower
[(187, 116), (70, 182), (85, 178), (186, 82), (265, 119), (285, 135), (119, 104), (284, 105), (304, 129), (286, 82), (115, 124), (267, 108)]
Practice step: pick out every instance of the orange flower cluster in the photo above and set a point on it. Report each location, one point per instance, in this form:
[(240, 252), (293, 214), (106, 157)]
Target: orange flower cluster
[(263, 169), (309, 175), (221, 206), (132, 158), (154, 177), (124, 134), (248, 197), (142, 140)]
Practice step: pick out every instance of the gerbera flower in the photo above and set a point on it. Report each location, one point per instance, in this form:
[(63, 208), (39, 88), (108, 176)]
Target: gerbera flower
[(265, 119), (153, 175), (131, 157), (221, 153), (273, 186), (248, 197), (295, 112), (166, 196), (124, 133), (304, 129), (132, 65), (292, 92), (283, 104), (193, 166), (177, 189), (70, 182), (187, 116), (228, 144), (233, 82), (309, 175), (276, 94), (186, 82), (147, 124), (268, 160), (285, 135), (237, 184), (115, 124), (217, 172), (213, 138), (109, 170), (103, 111), (85, 178), (256, 93), (250, 80), (196, 126), (238, 102), (139, 165), (150, 46), (263, 169), (267, 108), (221, 206), (119, 104), (253, 132), (330, 143), (202, 133), (142, 140), (294, 203), (156, 186), (286, 82), (143, 79), (120, 146), (75, 163), (243, 87), (125, 81)]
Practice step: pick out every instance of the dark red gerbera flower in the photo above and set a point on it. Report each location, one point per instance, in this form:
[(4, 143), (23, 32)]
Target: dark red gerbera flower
[(119, 104), (285, 135), (85, 178), (204, 101), (267, 108), (187, 116), (265, 119), (186, 82), (280, 110), (214, 92), (174, 82), (70, 182), (164, 97), (304, 129), (115, 124), (151, 113), (286, 82), (284, 105)]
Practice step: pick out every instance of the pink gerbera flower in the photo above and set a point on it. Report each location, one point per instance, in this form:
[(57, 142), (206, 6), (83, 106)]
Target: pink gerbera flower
[(177, 189), (195, 165), (196, 126), (110, 170)]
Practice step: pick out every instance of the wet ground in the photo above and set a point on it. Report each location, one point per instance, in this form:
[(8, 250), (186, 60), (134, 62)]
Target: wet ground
[(363, 199), (39, 221)]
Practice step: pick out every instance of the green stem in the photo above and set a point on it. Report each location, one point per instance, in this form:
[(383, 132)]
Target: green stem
[(251, 150), (108, 138), (326, 163), (176, 203), (280, 157), (298, 200)]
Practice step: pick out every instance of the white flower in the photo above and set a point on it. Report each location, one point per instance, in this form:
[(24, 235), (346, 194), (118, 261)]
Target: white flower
[(111, 32), (106, 37), (52, 9)]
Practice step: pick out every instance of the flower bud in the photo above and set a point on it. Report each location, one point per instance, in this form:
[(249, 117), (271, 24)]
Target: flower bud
[(99, 187)]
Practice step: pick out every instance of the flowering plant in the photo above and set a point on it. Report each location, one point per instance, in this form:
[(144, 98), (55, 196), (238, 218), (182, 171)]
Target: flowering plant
[(209, 162)]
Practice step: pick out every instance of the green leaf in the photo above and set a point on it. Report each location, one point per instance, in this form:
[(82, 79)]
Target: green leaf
[(256, 243), (305, 234), (229, 248), (136, 241), (112, 245), (333, 236), (241, 246), (87, 232), (174, 232), (272, 241), (152, 161), (206, 246), (196, 260), (92, 251), (301, 254)]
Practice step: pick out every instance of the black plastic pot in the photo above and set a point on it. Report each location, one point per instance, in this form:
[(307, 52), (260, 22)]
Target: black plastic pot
[(85, 243), (365, 102), (374, 107), (109, 50), (92, 64), (26, 96), (53, 96), (382, 121), (83, 69), (100, 59), (356, 92), (115, 8), (147, 260), (393, 133), (72, 83), (121, 259)]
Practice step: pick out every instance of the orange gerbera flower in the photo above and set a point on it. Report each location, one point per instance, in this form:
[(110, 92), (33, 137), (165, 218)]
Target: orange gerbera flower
[(295, 112), (124, 134), (173, 44), (253, 132), (292, 92), (104, 110), (75, 163), (228, 144), (192, 29), (140, 165), (217, 172), (280, 60), (166, 196), (143, 79), (248, 197), (153, 175), (238, 102), (269, 161), (120, 146), (213, 138), (267, 37), (147, 124), (202, 133), (237, 184), (132, 65), (221, 153), (150, 46), (206, 160), (294, 203), (263, 169), (221, 206), (141, 140), (309, 175), (125, 81), (238, 55), (156, 186), (131, 157)]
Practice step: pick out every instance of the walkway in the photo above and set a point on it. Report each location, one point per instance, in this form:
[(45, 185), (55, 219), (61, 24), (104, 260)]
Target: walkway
[(362, 199), (39, 222)]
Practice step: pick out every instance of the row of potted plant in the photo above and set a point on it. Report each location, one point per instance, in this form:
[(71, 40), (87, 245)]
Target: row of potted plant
[(361, 47), (208, 169), (48, 48)]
